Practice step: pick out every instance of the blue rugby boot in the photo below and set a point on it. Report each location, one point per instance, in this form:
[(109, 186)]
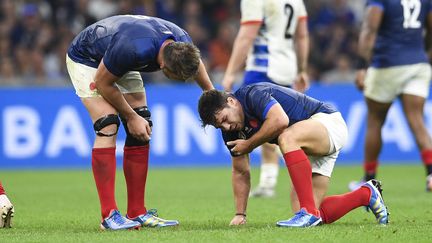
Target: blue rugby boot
[(376, 202), (301, 219), (116, 221), (151, 219)]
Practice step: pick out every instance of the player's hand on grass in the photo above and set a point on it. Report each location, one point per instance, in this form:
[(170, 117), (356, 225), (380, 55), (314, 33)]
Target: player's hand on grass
[(240, 146), (139, 128), (360, 77), (238, 220), (301, 83), (227, 82)]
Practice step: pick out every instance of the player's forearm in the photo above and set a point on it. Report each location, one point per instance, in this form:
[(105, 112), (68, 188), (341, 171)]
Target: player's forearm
[(369, 30), (241, 183), (238, 57), (270, 129), (366, 43), (203, 79), (302, 48)]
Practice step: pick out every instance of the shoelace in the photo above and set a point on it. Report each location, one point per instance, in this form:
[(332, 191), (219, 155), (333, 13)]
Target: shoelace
[(153, 212), (298, 215), (118, 219)]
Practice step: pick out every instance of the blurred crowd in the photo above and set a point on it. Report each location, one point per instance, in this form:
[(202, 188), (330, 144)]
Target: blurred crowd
[(35, 34)]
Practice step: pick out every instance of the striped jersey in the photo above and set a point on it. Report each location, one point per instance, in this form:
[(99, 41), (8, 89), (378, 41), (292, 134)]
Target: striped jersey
[(272, 57)]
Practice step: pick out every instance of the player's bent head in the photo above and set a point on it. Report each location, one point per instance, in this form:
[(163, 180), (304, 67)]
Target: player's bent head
[(181, 60), (210, 103)]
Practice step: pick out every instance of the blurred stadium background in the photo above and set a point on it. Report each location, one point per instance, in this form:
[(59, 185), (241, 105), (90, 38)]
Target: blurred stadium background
[(44, 125)]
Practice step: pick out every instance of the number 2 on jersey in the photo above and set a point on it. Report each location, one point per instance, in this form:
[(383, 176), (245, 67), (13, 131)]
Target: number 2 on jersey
[(411, 12), (289, 11)]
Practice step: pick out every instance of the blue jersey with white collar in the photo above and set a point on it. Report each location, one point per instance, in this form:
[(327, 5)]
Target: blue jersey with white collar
[(400, 38), (125, 43), (257, 99)]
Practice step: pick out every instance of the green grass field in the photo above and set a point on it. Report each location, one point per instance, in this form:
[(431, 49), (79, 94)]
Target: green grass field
[(62, 206)]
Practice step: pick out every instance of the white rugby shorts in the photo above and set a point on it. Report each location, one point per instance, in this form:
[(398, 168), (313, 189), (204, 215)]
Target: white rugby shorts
[(338, 136), (82, 77), (385, 84)]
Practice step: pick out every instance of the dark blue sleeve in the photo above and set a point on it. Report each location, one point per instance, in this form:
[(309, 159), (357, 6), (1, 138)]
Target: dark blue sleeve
[(376, 3), (230, 136), (120, 56), (259, 102)]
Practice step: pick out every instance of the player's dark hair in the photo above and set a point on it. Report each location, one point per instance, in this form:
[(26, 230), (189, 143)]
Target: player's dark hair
[(182, 59), (210, 103)]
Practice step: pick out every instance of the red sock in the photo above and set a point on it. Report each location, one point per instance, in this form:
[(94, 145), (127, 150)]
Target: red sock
[(426, 156), (2, 191), (300, 171), (334, 207), (370, 168), (135, 166), (104, 169)]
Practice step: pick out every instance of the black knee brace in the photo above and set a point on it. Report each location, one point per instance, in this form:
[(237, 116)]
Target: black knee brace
[(106, 121), (144, 112)]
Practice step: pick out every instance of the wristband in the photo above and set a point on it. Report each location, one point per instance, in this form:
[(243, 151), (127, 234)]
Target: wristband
[(241, 214), (362, 63)]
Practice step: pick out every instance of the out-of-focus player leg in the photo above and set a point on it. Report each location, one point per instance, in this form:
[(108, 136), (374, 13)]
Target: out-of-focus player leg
[(6, 209), (413, 109), (268, 173), (376, 115)]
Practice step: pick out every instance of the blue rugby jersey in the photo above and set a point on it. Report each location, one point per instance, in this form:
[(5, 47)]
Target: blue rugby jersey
[(125, 43), (400, 38), (257, 99)]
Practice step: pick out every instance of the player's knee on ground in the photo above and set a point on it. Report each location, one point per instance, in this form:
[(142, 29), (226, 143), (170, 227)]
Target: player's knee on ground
[(144, 112), (107, 126)]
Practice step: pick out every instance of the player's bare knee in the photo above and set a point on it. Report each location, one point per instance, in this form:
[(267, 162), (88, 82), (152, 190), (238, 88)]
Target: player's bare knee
[(144, 112), (287, 139), (107, 126)]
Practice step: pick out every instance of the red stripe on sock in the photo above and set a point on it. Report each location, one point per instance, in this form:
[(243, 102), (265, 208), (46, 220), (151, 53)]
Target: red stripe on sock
[(300, 172), (135, 167), (104, 169), (426, 156), (370, 167), (335, 207), (2, 191)]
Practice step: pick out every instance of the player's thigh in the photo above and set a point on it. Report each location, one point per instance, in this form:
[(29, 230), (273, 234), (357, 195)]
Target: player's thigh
[(132, 87), (309, 135), (413, 108), (377, 111), (320, 135)]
